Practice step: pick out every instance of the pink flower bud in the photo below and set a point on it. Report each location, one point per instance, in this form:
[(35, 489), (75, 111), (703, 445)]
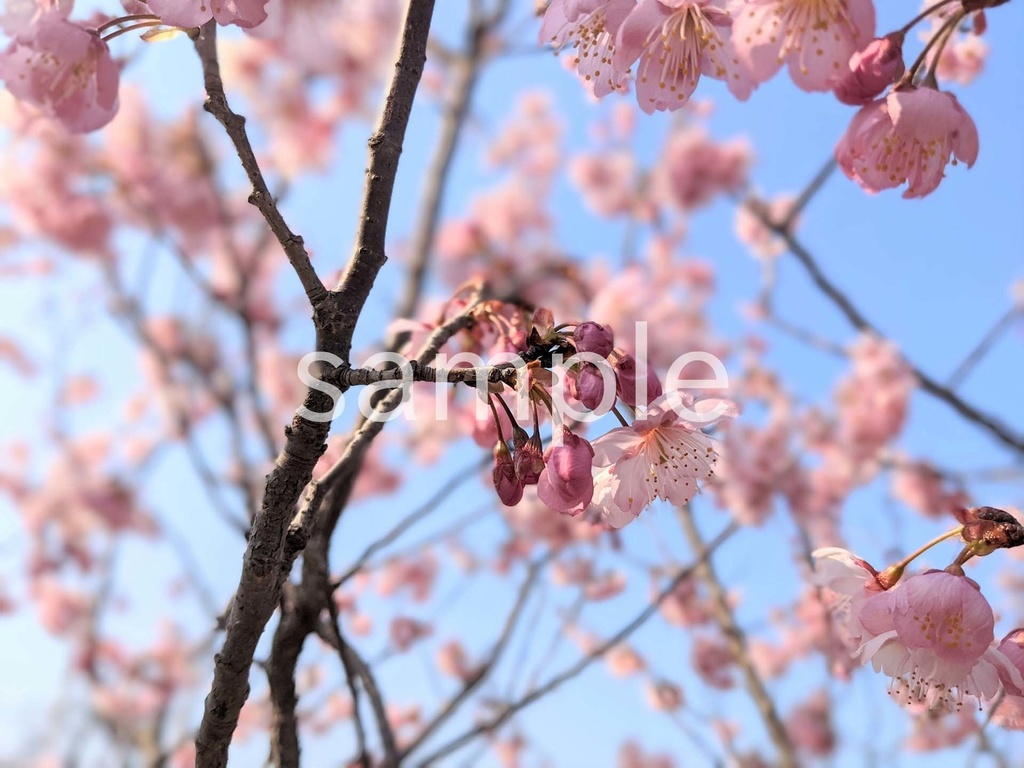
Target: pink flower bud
[(626, 382), (506, 483), (979, 23), (567, 483), (591, 337), (529, 461), (589, 385), (872, 70)]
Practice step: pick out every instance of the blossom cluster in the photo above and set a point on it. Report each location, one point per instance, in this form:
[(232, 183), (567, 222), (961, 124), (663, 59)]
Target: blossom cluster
[(665, 46), (662, 454), (932, 632), (66, 69)]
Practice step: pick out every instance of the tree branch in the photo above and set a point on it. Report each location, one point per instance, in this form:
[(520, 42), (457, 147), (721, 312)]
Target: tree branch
[(495, 722), (487, 666), (267, 559), (930, 385), (738, 645), (217, 105)]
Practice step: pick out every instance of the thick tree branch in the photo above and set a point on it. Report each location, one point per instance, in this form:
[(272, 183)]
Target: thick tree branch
[(497, 374), (272, 548)]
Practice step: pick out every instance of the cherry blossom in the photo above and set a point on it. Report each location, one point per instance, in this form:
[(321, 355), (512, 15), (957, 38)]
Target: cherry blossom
[(195, 13), (909, 137), (676, 42), (566, 483), (933, 635), (815, 39), (661, 456), (589, 27), (65, 70), (872, 70)]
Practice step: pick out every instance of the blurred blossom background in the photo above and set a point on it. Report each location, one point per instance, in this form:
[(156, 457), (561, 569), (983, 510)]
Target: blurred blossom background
[(151, 329)]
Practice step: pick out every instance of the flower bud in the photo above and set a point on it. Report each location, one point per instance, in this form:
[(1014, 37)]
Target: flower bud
[(988, 529), (626, 382), (529, 461), (567, 484), (872, 70), (591, 337), (589, 385), (506, 483)]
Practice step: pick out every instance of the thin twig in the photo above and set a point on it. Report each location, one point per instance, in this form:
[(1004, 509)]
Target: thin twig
[(477, 679), (976, 354), (738, 645), (407, 522), (495, 722), (466, 71), (928, 384)]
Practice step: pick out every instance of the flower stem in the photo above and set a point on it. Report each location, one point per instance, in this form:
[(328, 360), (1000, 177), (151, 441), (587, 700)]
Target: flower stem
[(924, 14), (125, 30), (123, 19), (937, 540)]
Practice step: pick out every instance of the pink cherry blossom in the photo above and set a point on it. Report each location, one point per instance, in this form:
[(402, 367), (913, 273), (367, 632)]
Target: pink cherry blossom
[(588, 385), (695, 169), (924, 489), (453, 661), (663, 696), (872, 70), (65, 70), (623, 661), (566, 483), (661, 456), (816, 39), (932, 634), (872, 401), (853, 582), (1012, 646), (907, 137), (607, 179), (810, 725), (676, 42), (633, 756), (195, 13), (713, 660), (628, 382), (962, 60), (589, 26), (19, 15), (404, 632), (1009, 713), (506, 481)]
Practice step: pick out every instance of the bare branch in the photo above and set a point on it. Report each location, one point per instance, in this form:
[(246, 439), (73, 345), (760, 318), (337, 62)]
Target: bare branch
[(217, 105), (738, 645), (271, 549), (930, 385), (488, 665), (492, 724)]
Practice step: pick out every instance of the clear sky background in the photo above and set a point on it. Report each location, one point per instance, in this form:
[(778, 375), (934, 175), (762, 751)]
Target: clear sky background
[(933, 274)]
